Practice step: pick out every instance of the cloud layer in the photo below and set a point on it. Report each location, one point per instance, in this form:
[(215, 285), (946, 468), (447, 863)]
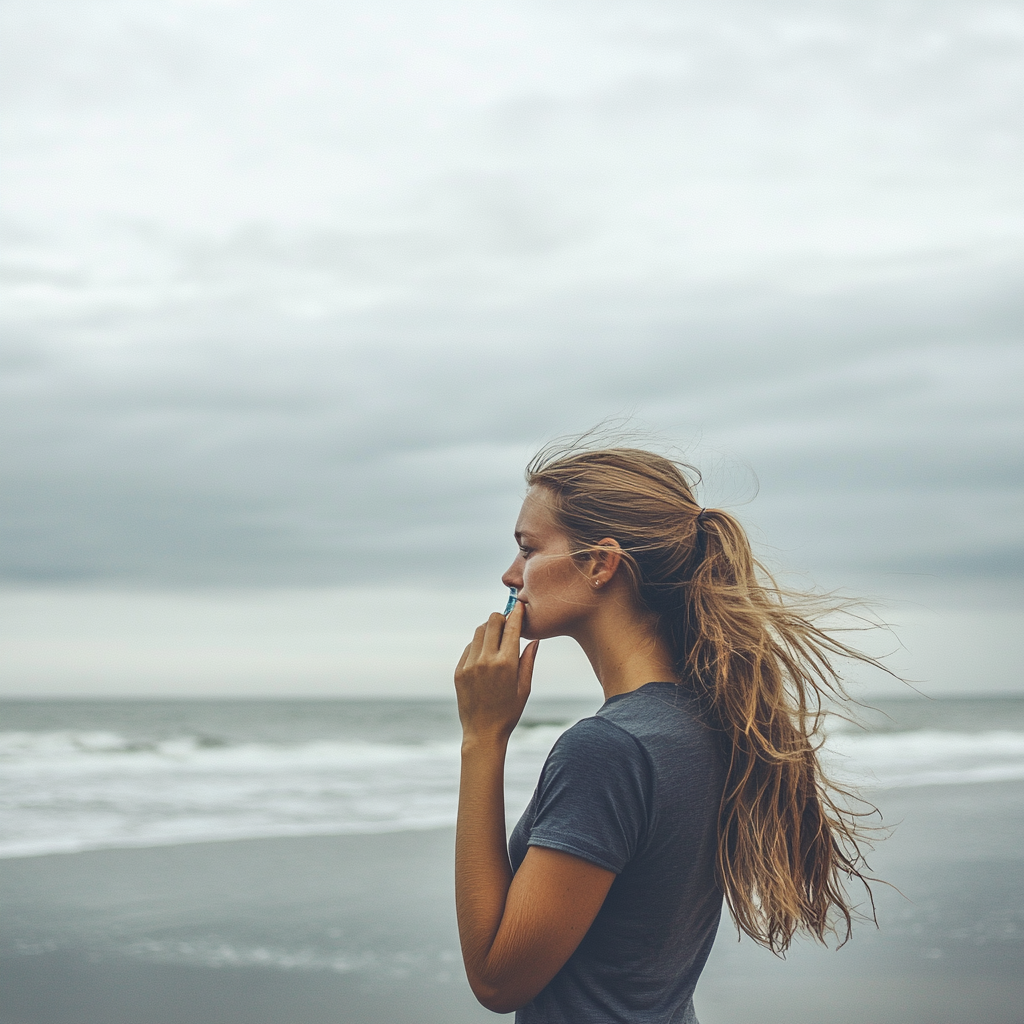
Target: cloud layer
[(293, 290)]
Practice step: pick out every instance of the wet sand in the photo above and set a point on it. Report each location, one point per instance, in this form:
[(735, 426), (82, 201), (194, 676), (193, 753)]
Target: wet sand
[(361, 929)]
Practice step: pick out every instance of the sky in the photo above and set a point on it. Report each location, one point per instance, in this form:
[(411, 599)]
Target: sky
[(292, 291)]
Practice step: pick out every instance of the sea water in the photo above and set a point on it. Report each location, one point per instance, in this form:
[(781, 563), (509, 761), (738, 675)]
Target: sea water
[(79, 775)]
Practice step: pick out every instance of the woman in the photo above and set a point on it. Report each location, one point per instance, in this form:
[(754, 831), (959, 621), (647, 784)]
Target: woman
[(697, 779)]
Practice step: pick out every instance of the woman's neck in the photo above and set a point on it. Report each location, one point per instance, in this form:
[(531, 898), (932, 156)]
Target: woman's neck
[(624, 648)]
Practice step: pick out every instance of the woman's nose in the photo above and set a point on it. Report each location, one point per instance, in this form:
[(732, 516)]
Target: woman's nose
[(512, 577)]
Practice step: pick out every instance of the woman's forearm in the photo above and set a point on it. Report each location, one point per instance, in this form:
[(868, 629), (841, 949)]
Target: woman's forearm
[(482, 869), (492, 683)]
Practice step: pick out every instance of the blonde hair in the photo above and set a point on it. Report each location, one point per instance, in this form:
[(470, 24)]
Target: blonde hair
[(788, 839)]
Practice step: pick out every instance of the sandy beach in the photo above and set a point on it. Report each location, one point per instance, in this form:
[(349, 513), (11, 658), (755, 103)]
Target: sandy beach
[(950, 941), (361, 930)]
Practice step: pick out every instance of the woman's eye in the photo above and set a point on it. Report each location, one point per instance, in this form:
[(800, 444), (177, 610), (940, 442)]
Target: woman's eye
[(524, 551)]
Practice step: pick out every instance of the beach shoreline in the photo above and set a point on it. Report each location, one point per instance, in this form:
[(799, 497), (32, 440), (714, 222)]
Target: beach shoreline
[(297, 930), (362, 929)]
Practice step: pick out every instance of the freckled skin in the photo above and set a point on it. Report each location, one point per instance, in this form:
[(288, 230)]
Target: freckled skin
[(557, 596)]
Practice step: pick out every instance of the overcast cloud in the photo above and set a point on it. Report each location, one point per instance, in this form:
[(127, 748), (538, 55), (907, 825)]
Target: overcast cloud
[(292, 290)]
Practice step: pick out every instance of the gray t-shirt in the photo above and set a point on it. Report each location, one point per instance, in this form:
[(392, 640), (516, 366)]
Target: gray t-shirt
[(635, 789)]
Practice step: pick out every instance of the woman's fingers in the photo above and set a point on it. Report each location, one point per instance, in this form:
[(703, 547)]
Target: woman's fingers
[(497, 635), (513, 626), (476, 645), (526, 662), (492, 680), (494, 627)]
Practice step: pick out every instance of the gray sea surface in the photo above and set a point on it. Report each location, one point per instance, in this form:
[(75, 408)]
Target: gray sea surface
[(262, 862), (90, 774)]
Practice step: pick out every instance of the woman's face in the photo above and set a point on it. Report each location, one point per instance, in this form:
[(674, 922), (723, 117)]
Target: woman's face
[(556, 595)]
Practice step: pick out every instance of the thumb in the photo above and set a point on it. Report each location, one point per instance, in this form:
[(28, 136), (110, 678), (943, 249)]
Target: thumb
[(526, 663)]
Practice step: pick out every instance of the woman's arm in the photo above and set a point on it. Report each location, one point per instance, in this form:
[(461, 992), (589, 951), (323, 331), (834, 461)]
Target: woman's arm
[(516, 932)]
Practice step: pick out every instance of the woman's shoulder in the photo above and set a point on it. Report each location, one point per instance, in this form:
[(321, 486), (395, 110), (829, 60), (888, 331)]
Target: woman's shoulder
[(598, 738), (666, 722), (653, 709)]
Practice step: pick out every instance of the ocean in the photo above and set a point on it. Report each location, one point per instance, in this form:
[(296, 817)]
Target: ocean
[(89, 775), (299, 851)]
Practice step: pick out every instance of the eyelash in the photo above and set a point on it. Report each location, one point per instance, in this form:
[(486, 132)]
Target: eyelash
[(524, 551)]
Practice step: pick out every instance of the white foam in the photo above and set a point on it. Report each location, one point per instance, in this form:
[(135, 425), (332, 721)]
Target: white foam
[(69, 791), (213, 953), (66, 791), (927, 757)]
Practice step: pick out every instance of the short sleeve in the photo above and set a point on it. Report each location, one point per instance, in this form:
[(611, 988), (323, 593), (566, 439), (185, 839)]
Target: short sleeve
[(594, 795)]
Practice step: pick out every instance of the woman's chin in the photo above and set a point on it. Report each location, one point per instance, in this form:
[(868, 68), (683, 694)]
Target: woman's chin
[(530, 633), (527, 632), (532, 629)]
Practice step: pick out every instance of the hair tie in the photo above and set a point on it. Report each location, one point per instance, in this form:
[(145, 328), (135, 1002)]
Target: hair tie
[(700, 515)]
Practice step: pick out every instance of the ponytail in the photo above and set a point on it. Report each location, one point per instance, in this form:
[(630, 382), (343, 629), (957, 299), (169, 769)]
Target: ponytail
[(760, 667)]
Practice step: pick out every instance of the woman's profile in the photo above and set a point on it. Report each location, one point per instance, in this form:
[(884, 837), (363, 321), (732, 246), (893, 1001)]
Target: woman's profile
[(697, 781)]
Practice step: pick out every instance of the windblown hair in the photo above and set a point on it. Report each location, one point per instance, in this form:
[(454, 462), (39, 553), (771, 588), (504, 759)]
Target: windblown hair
[(761, 668)]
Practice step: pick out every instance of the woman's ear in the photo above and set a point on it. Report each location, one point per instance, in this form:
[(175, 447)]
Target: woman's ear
[(605, 557)]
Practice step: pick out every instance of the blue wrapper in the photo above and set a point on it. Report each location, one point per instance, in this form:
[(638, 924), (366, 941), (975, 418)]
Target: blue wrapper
[(512, 598)]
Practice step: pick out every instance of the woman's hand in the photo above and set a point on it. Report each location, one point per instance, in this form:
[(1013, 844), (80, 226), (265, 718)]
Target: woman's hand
[(492, 680)]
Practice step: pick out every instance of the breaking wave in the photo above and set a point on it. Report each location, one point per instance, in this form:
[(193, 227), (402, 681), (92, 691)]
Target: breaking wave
[(64, 791)]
